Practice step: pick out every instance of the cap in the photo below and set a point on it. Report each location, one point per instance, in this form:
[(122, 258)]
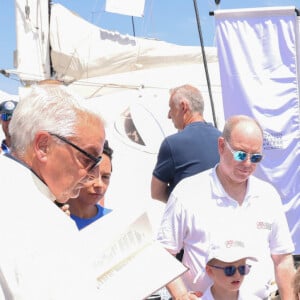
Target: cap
[(8, 106), (230, 251)]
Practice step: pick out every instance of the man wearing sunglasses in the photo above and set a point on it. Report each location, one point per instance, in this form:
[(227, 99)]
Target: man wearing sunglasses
[(56, 145), (6, 111), (229, 194)]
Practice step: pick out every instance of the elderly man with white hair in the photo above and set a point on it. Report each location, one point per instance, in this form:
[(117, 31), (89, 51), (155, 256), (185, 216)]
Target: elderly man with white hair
[(56, 145)]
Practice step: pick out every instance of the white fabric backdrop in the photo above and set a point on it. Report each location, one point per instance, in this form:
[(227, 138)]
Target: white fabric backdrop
[(259, 55)]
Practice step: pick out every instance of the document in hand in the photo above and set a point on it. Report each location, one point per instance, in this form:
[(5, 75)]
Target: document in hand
[(126, 262)]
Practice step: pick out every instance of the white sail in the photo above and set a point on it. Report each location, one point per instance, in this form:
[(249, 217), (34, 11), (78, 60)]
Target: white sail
[(31, 58), (96, 62), (81, 50), (99, 62)]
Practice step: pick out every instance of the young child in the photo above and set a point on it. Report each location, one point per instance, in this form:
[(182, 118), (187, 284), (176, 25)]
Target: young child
[(227, 264)]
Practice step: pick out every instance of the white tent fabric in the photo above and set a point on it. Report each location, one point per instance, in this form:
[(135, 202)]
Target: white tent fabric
[(258, 53)]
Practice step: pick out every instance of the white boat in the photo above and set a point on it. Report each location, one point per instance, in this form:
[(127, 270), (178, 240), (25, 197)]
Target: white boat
[(125, 78)]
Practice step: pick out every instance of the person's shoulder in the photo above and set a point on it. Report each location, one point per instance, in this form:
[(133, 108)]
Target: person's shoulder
[(6, 160), (212, 129), (170, 138), (245, 295), (197, 178), (261, 184), (263, 190), (204, 129), (174, 135), (173, 140), (193, 186), (207, 295)]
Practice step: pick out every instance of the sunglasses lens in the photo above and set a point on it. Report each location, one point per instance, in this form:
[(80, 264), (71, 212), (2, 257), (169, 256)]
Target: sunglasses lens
[(230, 270), (5, 117), (255, 158), (244, 270), (240, 155)]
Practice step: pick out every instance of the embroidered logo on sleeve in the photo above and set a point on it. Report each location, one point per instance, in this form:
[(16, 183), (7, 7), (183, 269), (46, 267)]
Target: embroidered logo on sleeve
[(263, 225)]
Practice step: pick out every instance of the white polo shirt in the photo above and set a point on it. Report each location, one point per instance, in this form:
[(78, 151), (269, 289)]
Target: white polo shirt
[(199, 208), (241, 296)]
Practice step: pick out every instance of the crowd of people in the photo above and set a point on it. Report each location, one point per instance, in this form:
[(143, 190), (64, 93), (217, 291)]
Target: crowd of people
[(217, 213)]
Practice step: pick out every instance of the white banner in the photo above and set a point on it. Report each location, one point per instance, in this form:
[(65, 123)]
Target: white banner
[(258, 54), (126, 7)]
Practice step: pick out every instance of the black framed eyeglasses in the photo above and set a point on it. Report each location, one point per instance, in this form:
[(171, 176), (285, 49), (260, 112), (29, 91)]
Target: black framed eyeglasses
[(240, 155), (95, 161), (6, 116), (230, 270)]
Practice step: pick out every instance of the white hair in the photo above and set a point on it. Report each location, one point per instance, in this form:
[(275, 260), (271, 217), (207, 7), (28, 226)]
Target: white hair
[(49, 108)]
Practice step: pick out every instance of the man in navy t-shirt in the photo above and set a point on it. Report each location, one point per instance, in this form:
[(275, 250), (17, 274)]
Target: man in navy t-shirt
[(193, 149)]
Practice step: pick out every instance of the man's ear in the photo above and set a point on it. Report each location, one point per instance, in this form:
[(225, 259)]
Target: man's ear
[(221, 144), (208, 270), (41, 144), (184, 106)]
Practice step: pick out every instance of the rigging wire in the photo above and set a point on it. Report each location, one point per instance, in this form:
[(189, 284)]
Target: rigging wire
[(133, 27), (205, 63)]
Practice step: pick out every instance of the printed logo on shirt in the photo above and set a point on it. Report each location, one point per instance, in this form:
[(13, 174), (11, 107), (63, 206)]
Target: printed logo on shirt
[(232, 243), (263, 225)]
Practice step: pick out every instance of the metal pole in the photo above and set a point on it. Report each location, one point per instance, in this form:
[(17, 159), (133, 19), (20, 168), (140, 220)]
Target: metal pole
[(133, 28), (52, 72), (205, 63)]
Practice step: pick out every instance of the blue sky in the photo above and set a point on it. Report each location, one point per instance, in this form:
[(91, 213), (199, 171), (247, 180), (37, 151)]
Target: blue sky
[(170, 20)]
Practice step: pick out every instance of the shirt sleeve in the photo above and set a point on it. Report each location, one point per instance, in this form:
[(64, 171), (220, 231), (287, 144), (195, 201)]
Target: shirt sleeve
[(164, 168), (172, 229)]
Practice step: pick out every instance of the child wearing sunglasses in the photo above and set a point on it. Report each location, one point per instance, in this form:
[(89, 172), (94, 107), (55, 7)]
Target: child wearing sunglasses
[(227, 264)]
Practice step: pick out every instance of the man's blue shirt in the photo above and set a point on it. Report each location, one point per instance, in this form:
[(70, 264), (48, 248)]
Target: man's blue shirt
[(187, 152)]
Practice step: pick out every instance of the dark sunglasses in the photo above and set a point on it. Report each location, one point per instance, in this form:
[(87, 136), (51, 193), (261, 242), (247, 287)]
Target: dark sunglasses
[(230, 270), (242, 155), (95, 160), (6, 116)]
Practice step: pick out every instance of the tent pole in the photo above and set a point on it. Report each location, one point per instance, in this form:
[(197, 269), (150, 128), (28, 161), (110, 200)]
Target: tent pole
[(205, 63)]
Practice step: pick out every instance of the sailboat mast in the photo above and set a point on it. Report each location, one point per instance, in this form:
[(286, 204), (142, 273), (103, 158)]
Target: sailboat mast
[(50, 60), (205, 63)]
